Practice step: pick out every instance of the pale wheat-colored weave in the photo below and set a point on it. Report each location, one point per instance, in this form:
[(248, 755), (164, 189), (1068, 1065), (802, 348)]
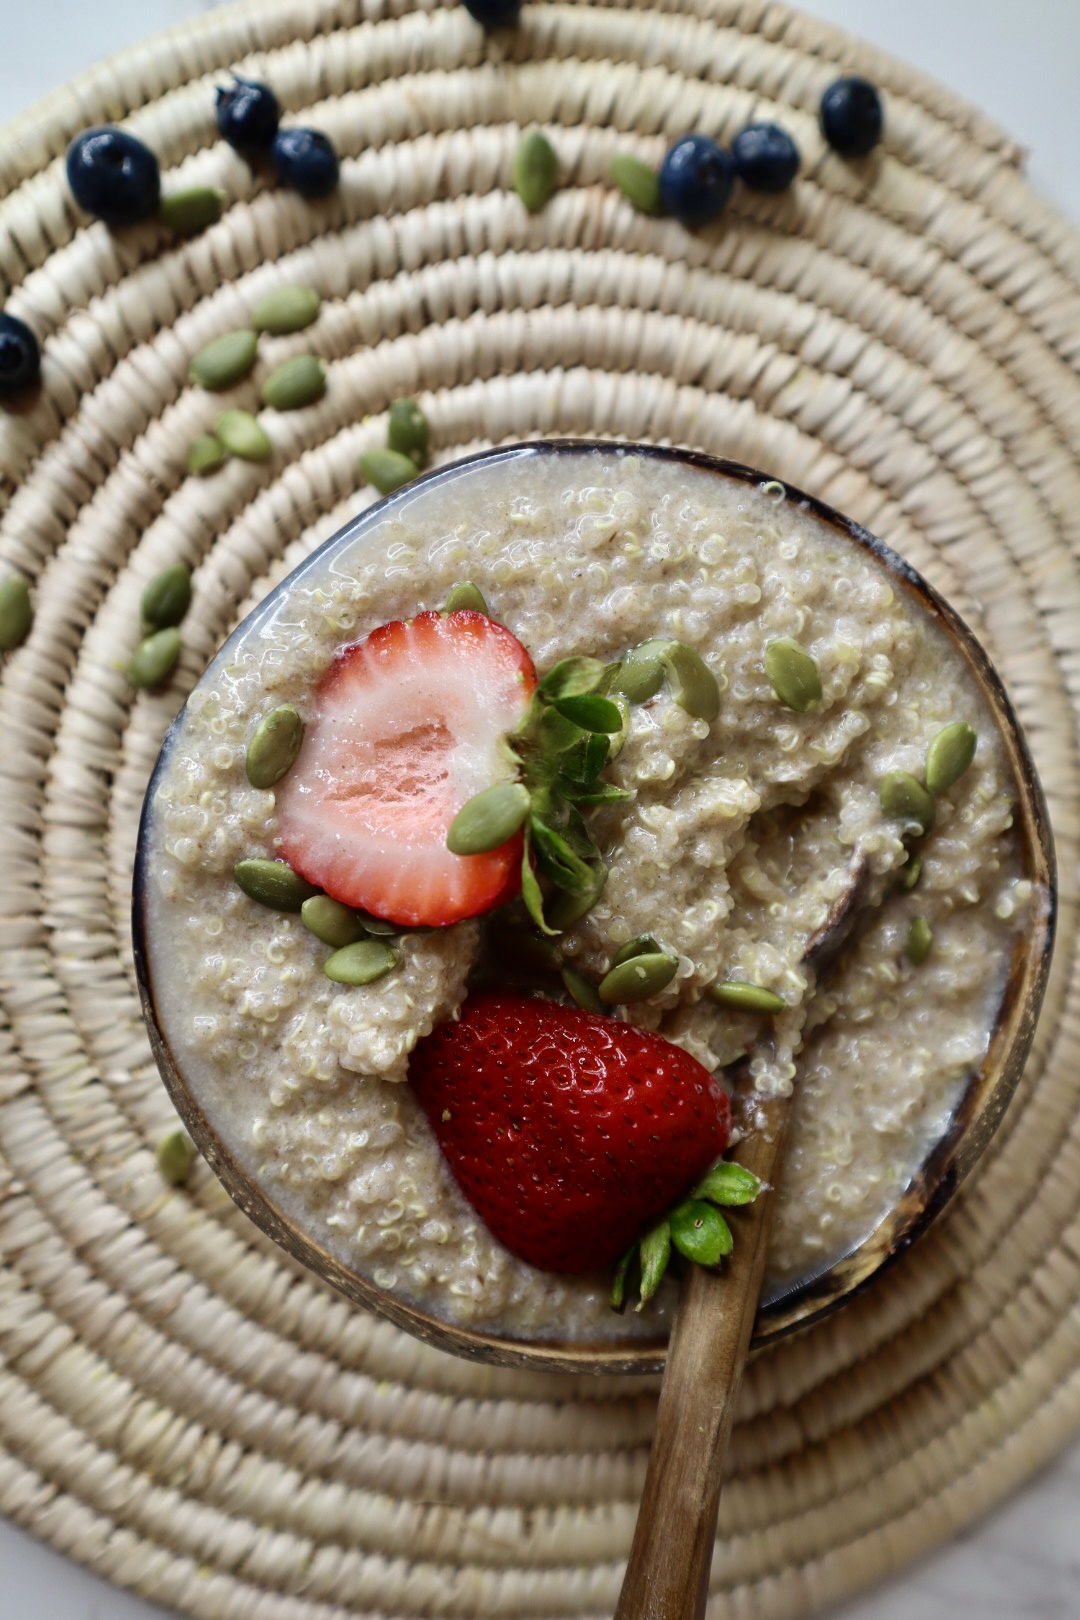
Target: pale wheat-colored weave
[(180, 1407)]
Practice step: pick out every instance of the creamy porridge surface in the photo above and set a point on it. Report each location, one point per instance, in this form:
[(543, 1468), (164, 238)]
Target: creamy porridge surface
[(739, 837)]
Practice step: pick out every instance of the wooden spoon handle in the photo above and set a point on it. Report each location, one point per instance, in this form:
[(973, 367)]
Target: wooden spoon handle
[(667, 1577)]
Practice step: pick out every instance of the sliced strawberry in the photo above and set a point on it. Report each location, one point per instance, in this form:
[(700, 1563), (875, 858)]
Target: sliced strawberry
[(407, 726), (569, 1133)]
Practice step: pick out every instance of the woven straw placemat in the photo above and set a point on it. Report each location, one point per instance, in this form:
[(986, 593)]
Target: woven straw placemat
[(180, 1407)]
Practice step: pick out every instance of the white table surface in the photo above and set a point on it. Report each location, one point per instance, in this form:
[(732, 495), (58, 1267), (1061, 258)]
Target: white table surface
[(1020, 61)]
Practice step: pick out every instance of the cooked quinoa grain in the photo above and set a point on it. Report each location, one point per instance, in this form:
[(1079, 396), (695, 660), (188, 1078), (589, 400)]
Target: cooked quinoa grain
[(737, 839)]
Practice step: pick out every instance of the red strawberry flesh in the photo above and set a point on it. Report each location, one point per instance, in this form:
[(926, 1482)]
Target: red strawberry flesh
[(568, 1133), (407, 727)]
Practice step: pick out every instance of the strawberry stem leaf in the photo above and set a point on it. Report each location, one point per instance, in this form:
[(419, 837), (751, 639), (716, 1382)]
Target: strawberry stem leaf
[(530, 888), (558, 861), (592, 713), (584, 762), (655, 1254), (580, 839), (566, 736), (694, 1227), (567, 909), (556, 732), (572, 677), (602, 793), (617, 1296)]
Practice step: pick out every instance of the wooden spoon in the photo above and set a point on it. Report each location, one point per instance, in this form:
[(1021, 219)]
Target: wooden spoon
[(667, 1577)]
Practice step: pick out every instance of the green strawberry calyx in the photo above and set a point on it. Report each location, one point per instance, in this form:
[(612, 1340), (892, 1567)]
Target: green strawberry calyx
[(569, 732), (575, 724), (694, 1227)]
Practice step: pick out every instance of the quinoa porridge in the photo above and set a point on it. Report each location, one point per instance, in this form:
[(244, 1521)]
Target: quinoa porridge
[(738, 837)]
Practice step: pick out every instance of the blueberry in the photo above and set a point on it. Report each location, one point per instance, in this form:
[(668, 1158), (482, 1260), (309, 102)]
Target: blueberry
[(852, 117), (247, 114), (305, 160), (696, 179), (113, 175), (766, 157), (494, 13), (20, 357)]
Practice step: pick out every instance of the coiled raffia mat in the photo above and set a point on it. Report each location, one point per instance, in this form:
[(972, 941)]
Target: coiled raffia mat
[(180, 1406)]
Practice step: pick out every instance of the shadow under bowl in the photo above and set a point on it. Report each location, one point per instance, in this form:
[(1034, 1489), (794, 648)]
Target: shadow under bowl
[(986, 1092)]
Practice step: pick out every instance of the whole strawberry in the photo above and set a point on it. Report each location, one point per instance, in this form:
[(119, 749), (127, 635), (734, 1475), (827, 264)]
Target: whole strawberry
[(569, 1133)]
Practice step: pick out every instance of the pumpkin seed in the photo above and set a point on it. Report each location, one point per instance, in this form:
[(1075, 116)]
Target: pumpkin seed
[(617, 739), (191, 210), (155, 658), (488, 819), (693, 684), (912, 872), (407, 430), (331, 921), (639, 184), (285, 310), (167, 597), (582, 990), (206, 454), (700, 1232), (920, 937), (241, 434), (274, 745), (903, 798), (655, 1254), (466, 595), (793, 675), (643, 945), (273, 884), (377, 925), (746, 997), (224, 361), (16, 612), (297, 382), (362, 963), (387, 470), (638, 978), (641, 673), (534, 170), (728, 1184), (949, 755), (175, 1157)]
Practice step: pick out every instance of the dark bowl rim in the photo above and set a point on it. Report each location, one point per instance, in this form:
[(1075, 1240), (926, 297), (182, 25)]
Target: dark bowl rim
[(987, 1091)]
